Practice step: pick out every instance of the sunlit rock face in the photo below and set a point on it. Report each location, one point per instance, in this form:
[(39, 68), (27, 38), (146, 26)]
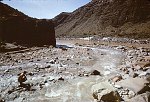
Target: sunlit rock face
[(107, 18), (60, 18), (19, 28)]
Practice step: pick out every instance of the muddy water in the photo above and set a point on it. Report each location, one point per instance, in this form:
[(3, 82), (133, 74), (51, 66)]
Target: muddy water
[(79, 89)]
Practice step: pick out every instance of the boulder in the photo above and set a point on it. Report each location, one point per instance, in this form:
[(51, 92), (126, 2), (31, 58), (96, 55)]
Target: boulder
[(145, 97), (62, 79), (147, 64), (116, 78), (95, 72), (133, 74), (1, 99), (106, 92), (138, 85)]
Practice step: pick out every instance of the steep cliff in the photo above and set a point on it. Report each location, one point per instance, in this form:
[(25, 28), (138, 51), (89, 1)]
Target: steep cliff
[(18, 27)]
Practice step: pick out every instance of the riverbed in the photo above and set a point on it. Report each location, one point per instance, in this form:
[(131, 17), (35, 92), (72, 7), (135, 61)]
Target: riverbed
[(59, 74)]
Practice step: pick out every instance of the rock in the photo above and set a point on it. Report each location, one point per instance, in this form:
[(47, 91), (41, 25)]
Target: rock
[(20, 99), (147, 65), (56, 58), (113, 96), (13, 95), (38, 60), (146, 68), (81, 74), (143, 74), (60, 65), (127, 72), (95, 72), (133, 74), (116, 78), (131, 94), (120, 47), (1, 99), (137, 67), (41, 85), (77, 63), (64, 49), (20, 68), (117, 86), (126, 93), (145, 97), (124, 69), (106, 92), (48, 66), (31, 73), (62, 79), (87, 75), (52, 61), (138, 85), (6, 71)]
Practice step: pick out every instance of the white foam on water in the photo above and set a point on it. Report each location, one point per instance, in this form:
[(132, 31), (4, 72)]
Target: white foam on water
[(77, 90), (86, 38)]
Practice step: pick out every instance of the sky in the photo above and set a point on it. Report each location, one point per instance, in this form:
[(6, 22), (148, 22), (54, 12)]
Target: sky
[(45, 8)]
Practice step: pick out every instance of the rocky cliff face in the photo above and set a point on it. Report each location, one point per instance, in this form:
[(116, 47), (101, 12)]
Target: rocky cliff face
[(109, 18), (60, 18), (17, 27)]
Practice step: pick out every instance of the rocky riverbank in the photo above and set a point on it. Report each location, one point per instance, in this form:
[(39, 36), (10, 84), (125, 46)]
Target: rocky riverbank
[(77, 71)]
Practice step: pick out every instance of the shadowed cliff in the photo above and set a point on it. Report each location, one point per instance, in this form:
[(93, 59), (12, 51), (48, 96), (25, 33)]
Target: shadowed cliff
[(18, 27)]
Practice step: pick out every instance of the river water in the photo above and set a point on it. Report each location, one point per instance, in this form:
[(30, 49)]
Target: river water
[(79, 89)]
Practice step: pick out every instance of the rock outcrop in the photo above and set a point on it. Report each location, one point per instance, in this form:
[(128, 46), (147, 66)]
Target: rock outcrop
[(17, 27), (60, 18), (125, 18)]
